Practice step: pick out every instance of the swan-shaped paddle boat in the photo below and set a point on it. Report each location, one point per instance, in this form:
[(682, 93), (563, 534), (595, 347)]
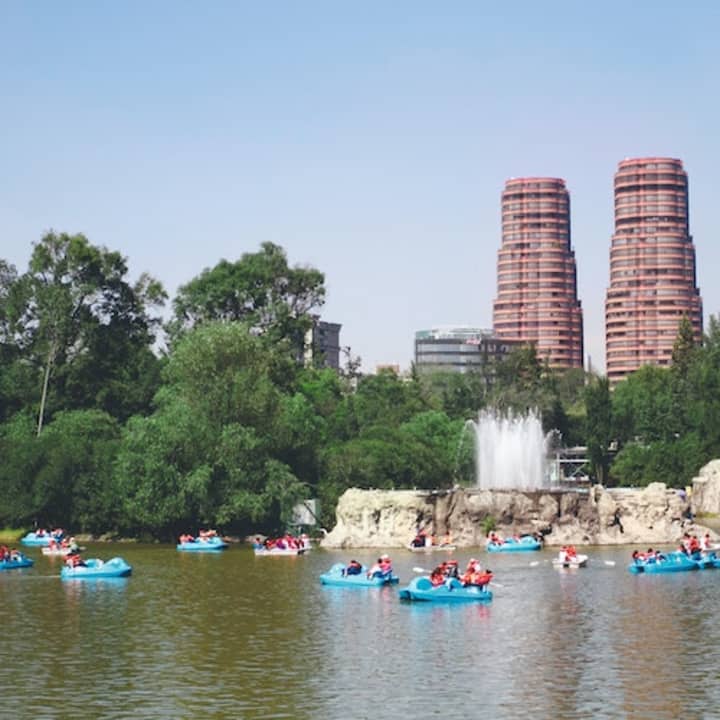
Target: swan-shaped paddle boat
[(210, 544), (95, 568), (276, 551), (335, 576), (33, 539), (420, 588), (526, 542), (18, 561), (571, 560), (57, 551), (675, 561), (447, 547)]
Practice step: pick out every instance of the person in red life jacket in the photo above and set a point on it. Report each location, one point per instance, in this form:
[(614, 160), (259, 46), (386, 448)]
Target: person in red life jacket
[(4, 552), (481, 579), (694, 545), (437, 576), (571, 552), (495, 538), (686, 542), (473, 567), (74, 560)]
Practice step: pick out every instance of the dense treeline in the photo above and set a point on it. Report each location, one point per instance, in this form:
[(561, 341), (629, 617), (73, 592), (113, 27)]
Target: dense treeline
[(100, 431)]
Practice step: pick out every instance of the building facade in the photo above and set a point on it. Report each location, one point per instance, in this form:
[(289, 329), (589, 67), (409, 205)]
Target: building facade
[(322, 344), (458, 349), (652, 266), (537, 301)]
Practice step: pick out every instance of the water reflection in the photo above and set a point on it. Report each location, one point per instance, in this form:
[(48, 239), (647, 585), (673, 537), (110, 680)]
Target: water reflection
[(234, 636)]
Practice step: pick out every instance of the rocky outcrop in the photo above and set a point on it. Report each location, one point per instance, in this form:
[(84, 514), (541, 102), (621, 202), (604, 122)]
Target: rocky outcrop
[(705, 496), (598, 516)]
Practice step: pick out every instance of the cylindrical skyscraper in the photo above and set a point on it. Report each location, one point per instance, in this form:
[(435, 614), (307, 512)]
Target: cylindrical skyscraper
[(537, 300), (652, 266)]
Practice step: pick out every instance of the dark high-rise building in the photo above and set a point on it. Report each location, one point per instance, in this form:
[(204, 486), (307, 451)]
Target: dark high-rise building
[(322, 344), (652, 266), (537, 300)]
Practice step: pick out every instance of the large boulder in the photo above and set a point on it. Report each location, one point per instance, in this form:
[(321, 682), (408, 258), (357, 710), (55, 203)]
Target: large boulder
[(375, 518), (705, 498)]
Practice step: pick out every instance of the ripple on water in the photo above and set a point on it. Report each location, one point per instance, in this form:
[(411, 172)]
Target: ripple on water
[(234, 636)]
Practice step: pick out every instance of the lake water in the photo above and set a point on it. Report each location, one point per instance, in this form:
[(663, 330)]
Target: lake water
[(235, 636)]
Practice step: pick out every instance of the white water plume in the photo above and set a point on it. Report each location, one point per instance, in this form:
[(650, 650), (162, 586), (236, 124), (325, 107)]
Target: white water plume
[(510, 452)]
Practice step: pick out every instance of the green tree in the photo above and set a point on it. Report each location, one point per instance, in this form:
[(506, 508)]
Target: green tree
[(460, 395), (702, 400), (598, 426), (63, 477), (260, 289), (213, 451), (642, 406), (74, 317), (683, 357)]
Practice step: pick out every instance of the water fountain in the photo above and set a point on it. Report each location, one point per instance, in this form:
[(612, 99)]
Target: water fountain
[(510, 452)]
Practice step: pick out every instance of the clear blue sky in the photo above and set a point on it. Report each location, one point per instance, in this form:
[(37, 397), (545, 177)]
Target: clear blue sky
[(371, 140)]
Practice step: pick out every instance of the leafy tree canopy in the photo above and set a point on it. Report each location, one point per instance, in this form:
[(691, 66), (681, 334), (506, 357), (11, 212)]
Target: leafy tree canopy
[(260, 289)]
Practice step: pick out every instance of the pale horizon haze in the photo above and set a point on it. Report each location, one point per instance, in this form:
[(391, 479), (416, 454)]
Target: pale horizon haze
[(371, 141)]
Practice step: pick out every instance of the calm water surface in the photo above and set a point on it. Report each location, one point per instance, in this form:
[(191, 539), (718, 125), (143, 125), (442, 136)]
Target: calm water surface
[(235, 636)]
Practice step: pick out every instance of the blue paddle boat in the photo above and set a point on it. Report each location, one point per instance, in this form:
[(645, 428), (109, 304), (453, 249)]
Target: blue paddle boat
[(210, 544), (670, 562), (420, 588), (18, 561), (32, 539), (94, 568), (335, 576), (526, 542)]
